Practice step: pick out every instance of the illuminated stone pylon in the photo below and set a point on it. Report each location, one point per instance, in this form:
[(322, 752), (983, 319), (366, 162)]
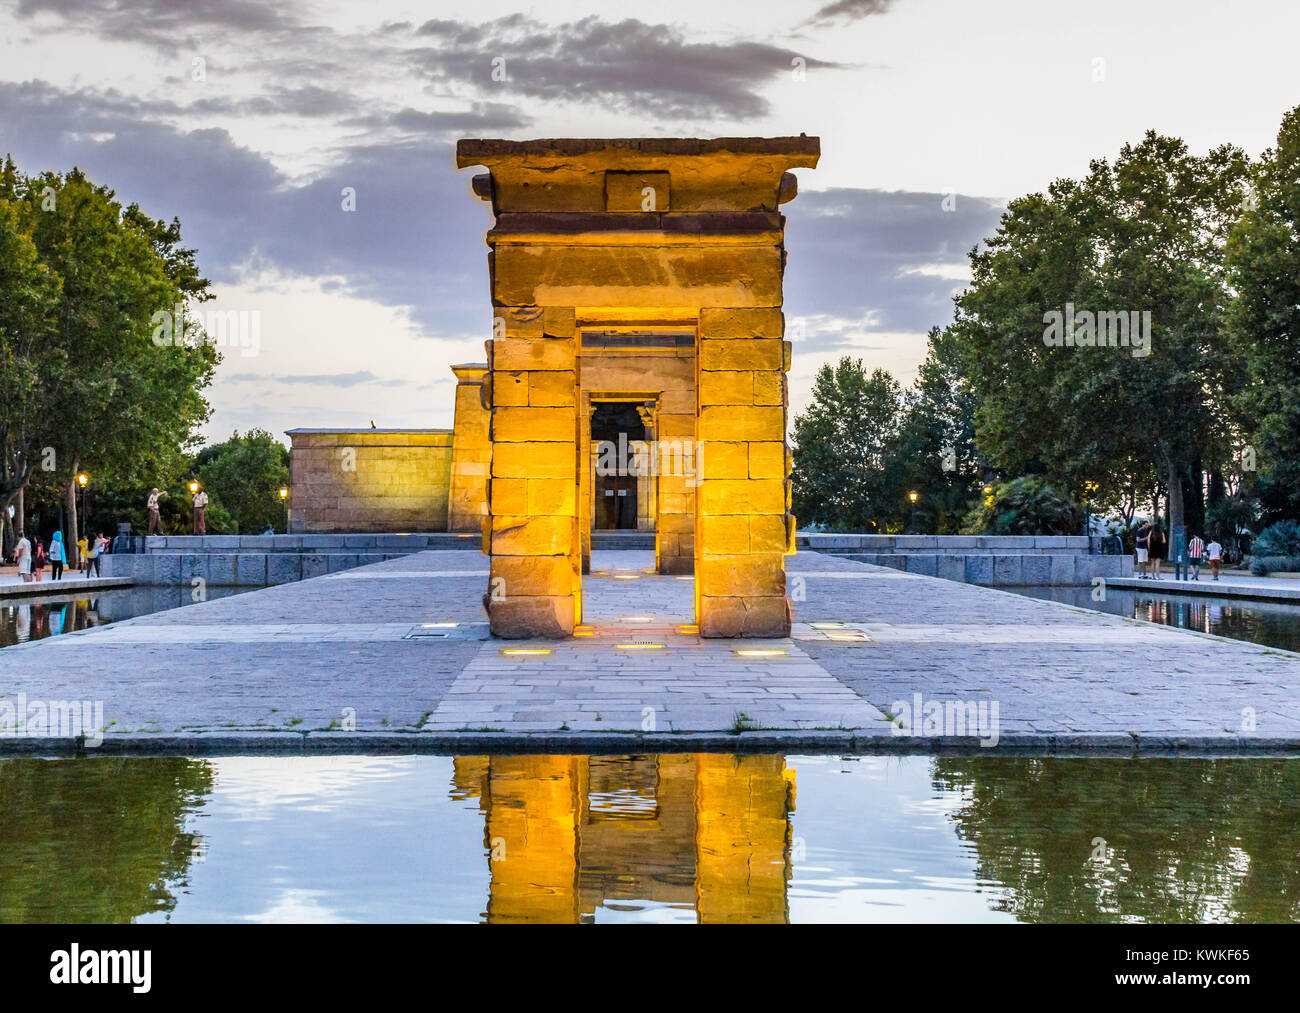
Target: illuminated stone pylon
[(569, 835), (604, 249)]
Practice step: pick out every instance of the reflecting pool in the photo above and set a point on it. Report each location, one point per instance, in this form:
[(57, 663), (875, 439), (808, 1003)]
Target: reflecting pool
[(66, 608), (1272, 624), (674, 837)]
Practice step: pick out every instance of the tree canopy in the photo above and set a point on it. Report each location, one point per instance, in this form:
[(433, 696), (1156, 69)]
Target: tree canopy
[(82, 384)]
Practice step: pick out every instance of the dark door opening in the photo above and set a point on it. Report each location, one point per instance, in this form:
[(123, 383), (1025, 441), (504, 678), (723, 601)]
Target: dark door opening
[(616, 430)]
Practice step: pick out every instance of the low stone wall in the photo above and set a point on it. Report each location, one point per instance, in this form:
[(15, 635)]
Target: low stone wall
[(352, 542), (257, 560), (995, 569), (965, 545)]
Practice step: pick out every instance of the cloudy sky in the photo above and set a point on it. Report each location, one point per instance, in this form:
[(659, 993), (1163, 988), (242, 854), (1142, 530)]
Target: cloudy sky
[(248, 118)]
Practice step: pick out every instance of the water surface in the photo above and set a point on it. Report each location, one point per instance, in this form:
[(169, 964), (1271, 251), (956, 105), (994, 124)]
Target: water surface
[(68, 608), (1271, 624), (682, 838)]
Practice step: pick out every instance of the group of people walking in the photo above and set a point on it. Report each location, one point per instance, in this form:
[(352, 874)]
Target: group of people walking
[(1153, 549), (33, 557)]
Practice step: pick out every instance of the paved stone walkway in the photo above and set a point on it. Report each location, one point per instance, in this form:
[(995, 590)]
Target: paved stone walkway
[(12, 586), (1229, 585), (398, 652)]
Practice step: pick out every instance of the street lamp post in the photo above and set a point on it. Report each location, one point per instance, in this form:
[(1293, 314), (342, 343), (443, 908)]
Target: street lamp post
[(912, 497), (284, 499), (82, 480)]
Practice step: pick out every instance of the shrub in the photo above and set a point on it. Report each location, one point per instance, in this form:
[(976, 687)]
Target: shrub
[(1025, 506), (1280, 539), (1273, 564)]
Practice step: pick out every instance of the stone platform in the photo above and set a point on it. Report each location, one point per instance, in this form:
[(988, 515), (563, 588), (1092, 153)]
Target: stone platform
[(72, 583), (396, 656)]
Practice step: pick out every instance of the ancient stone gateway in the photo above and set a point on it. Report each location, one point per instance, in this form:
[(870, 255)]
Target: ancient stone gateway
[(636, 292)]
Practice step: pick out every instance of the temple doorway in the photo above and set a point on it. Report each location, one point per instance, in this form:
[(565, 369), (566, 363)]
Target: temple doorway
[(623, 495)]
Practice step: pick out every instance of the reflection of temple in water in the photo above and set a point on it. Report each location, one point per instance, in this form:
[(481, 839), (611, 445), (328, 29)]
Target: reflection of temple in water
[(569, 834)]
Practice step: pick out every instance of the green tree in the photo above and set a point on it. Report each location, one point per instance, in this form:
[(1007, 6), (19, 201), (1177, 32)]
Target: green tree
[(30, 362), (244, 475), (937, 453), (1145, 234), (109, 400), (846, 472), (1263, 257)]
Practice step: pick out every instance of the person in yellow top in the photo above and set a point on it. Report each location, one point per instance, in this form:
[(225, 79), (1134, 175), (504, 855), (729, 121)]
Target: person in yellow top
[(81, 552)]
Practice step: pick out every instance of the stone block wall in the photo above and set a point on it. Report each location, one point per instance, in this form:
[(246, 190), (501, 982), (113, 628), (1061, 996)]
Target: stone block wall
[(471, 453), (742, 513), (364, 480), (531, 531), (639, 233)]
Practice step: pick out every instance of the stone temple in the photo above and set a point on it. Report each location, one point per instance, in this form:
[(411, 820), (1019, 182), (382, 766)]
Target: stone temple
[(635, 380)]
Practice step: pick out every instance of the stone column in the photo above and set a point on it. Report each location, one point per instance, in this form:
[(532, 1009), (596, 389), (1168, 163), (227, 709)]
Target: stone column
[(471, 452), (742, 815), (675, 513), (534, 809), (647, 494), (742, 528), (531, 532)]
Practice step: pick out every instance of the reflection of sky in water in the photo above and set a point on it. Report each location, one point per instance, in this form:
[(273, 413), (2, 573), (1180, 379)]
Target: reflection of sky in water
[(879, 845), (669, 838), (339, 838), (377, 838)]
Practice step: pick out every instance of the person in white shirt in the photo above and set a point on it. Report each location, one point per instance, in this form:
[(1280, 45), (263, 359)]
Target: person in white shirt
[(1215, 551), (200, 512), (155, 521), (1195, 554), (23, 553)]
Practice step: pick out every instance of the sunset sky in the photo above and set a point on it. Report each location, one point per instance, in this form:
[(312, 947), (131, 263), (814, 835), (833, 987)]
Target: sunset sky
[(247, 119)]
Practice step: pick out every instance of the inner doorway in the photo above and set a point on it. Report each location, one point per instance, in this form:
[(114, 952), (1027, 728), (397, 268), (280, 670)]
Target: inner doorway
[(621, 496), (622, 589)]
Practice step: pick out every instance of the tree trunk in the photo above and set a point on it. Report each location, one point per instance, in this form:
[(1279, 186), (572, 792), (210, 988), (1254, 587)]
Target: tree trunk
[(1174, 489), (1194, 491), (20, 511), (70, 505)]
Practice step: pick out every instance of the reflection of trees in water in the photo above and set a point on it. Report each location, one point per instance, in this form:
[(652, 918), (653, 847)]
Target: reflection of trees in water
[(1187, 840), (95, 840)]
